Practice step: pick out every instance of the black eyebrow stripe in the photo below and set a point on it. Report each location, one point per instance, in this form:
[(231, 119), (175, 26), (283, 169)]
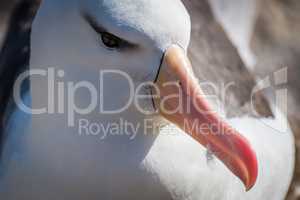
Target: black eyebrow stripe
[(100, 29), (91, 20)]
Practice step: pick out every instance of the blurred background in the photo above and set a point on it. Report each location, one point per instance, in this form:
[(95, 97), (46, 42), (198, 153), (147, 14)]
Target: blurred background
[(264, 33)]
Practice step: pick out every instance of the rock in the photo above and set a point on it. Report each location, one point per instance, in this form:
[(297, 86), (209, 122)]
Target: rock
[(276, 44), (13, 58), (217, 61), (237, 18)]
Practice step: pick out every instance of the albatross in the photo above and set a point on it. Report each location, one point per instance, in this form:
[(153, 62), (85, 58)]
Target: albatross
[(56, 149)]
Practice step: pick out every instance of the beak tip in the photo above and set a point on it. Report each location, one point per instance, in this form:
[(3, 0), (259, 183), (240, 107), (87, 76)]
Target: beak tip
[(251, 179), (249, 186)]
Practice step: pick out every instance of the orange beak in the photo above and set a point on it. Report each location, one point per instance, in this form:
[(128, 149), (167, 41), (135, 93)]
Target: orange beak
[(180, 100)]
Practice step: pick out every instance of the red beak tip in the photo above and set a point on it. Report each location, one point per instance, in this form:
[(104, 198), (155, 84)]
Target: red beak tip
[(253, 174), (248, 187)]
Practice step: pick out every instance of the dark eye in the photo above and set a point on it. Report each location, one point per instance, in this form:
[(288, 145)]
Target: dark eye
[(110, 40)]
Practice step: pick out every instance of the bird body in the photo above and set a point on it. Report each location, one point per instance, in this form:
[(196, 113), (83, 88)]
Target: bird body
[(169, 165)]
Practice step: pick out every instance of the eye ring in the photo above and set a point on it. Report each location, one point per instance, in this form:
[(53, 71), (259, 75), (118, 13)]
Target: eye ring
[(110, 41)]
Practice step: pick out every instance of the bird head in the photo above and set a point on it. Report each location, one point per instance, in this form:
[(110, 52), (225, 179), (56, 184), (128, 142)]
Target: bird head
[(148, 41)]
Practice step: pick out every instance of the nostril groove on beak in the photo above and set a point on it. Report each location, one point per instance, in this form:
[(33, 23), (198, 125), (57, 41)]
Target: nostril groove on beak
[(153, 103), (159, 67)]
